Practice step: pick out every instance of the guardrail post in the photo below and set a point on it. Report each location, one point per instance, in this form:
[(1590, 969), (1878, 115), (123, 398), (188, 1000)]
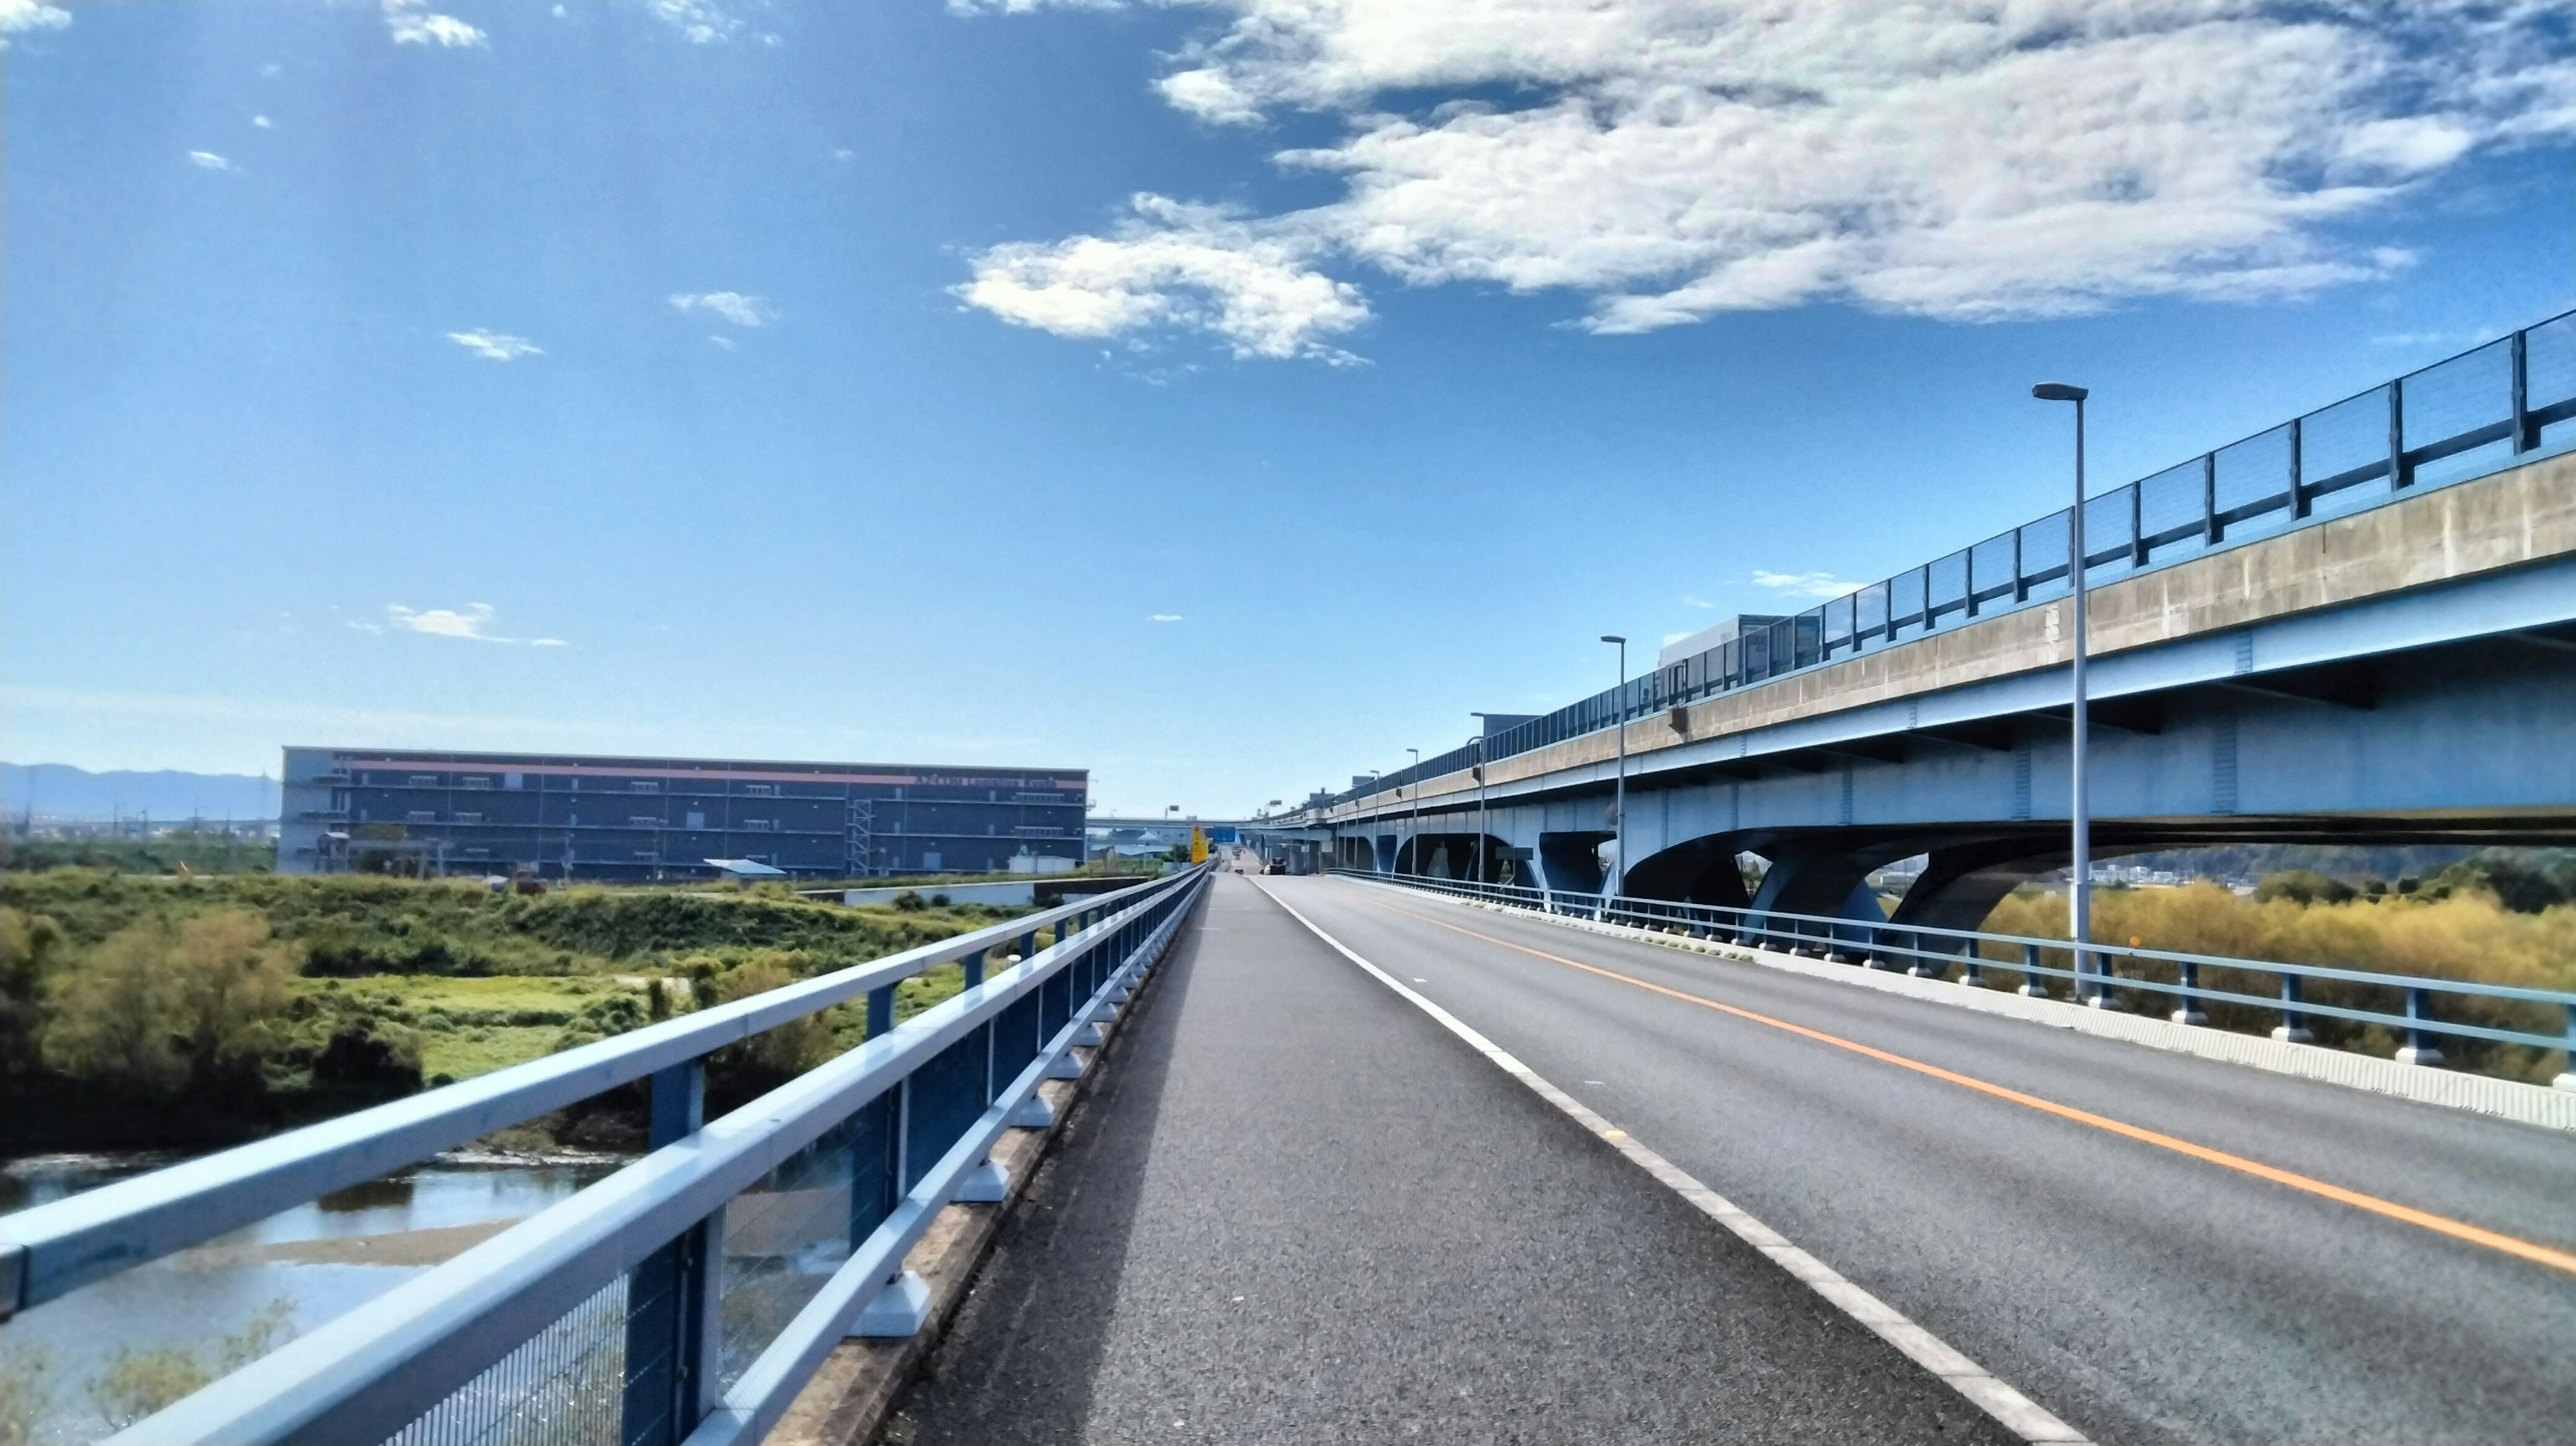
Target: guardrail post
[(2187, 1007), (2032, 986), (2294, 1024), (1970, 965), (880, 1010), (1028, 946), (673, 1342), (2420, 1046), (2567, 1076), (973, 964)]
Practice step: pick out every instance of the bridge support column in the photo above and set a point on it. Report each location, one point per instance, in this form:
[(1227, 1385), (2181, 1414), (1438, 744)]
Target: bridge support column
[(1822, 879)]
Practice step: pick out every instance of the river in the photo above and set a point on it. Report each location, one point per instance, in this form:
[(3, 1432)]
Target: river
[(305, 1265)]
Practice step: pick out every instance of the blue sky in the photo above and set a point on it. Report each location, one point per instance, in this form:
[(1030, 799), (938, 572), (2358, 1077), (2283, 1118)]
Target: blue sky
[(806, 380)]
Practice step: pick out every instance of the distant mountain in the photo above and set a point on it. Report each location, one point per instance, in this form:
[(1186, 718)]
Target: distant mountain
[(58, 790)]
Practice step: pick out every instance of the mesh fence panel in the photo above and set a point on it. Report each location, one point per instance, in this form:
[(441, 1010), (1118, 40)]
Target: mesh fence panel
[(2549, 364), (2171, 500), (1906, 593), (1991, 564), (2106, 526), (1949, 581), (1871, 609), (2256, 471), (783, 1238), (564, 1387), (2459, 395), (2043, 545), (2351, 433)]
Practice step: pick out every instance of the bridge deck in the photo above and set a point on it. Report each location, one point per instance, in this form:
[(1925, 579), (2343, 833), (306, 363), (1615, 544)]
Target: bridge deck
[(1299, 1209)]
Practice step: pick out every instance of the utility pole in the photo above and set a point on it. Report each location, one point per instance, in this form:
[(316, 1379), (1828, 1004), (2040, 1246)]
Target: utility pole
[(1619, 794), (1418, 866), (2079, 889)]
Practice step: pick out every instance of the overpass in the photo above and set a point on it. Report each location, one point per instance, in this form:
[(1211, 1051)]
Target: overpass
[(2357, 627)]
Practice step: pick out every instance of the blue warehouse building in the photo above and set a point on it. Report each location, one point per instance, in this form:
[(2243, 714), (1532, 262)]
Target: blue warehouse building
[(640, 819)]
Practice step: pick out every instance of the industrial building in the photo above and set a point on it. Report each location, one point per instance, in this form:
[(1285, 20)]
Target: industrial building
[(641, 819)]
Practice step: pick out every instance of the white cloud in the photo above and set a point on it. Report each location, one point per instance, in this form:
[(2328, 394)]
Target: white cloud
[(1689, 600), (17, 17), (209, 161), (260, 121), (725, 342), (413, 23), (472, 622), (1822, 585), (702, 22), (1176, 617), (1170, 264), (494, 346), (845, 155), (732, 306), (1666, 160)]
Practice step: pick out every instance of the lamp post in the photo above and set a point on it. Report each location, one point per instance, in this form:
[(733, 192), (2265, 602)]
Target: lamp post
[(1417, 809), (2079, 892), (1619, 794), (1483, 837)]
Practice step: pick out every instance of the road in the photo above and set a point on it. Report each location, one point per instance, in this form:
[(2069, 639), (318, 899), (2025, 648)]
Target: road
[(1296, 1208), (2140, 1291)]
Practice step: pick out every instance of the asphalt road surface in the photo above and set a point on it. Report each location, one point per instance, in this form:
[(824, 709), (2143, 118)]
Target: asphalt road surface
[(1298, 1209), (2142, 1292)]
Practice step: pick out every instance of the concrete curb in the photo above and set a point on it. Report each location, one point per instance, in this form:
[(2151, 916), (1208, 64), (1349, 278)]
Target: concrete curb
[(854, 1388), (2526, 1104)]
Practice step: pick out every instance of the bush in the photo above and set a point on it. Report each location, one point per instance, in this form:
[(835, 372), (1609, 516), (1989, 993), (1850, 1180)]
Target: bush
[(2303, 886), (911, 902), (159, 1005)]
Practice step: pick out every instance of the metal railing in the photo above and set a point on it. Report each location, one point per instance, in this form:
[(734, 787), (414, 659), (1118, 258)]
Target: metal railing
[(2100, 974), (2487, 409), (635, 1313)]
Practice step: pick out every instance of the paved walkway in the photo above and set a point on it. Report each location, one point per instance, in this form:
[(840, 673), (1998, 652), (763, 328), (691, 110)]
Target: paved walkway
[(1297, 1209)]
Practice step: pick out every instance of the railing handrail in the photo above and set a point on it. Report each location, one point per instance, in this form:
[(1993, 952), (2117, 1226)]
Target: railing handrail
[(2521, 422), (50, 1249), (1892, 937), (379, 1370)]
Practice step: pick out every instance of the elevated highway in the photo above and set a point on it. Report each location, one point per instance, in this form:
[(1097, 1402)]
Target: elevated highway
[(2396, 665)]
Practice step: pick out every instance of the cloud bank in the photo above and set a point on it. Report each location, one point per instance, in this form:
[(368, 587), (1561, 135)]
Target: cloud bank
[(732, 306), (473, 622), (494, 346), (1668, 160), (20, 16), (412, 23)]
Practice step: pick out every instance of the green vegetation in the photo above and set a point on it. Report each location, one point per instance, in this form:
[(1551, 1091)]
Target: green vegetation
[(145, 1012), (136, 1383), (174, 851), (2494, 919), (26, 1391)]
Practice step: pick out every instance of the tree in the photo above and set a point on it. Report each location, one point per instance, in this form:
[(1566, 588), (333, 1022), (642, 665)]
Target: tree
[(157, 1006), (29, 947)]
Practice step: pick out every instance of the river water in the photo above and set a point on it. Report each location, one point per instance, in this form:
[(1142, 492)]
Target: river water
[(308, 1264)]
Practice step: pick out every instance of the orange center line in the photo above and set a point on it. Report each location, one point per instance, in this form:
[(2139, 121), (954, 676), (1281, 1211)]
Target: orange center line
[(2439, 1224)]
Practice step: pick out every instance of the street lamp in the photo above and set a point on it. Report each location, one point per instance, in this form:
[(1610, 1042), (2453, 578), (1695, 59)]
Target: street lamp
[(2079, 893), (1619, 796), (1483, 838), (1417, 810)]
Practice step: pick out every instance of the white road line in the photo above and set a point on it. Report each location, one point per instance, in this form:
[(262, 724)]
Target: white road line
[(2016, 1412)]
